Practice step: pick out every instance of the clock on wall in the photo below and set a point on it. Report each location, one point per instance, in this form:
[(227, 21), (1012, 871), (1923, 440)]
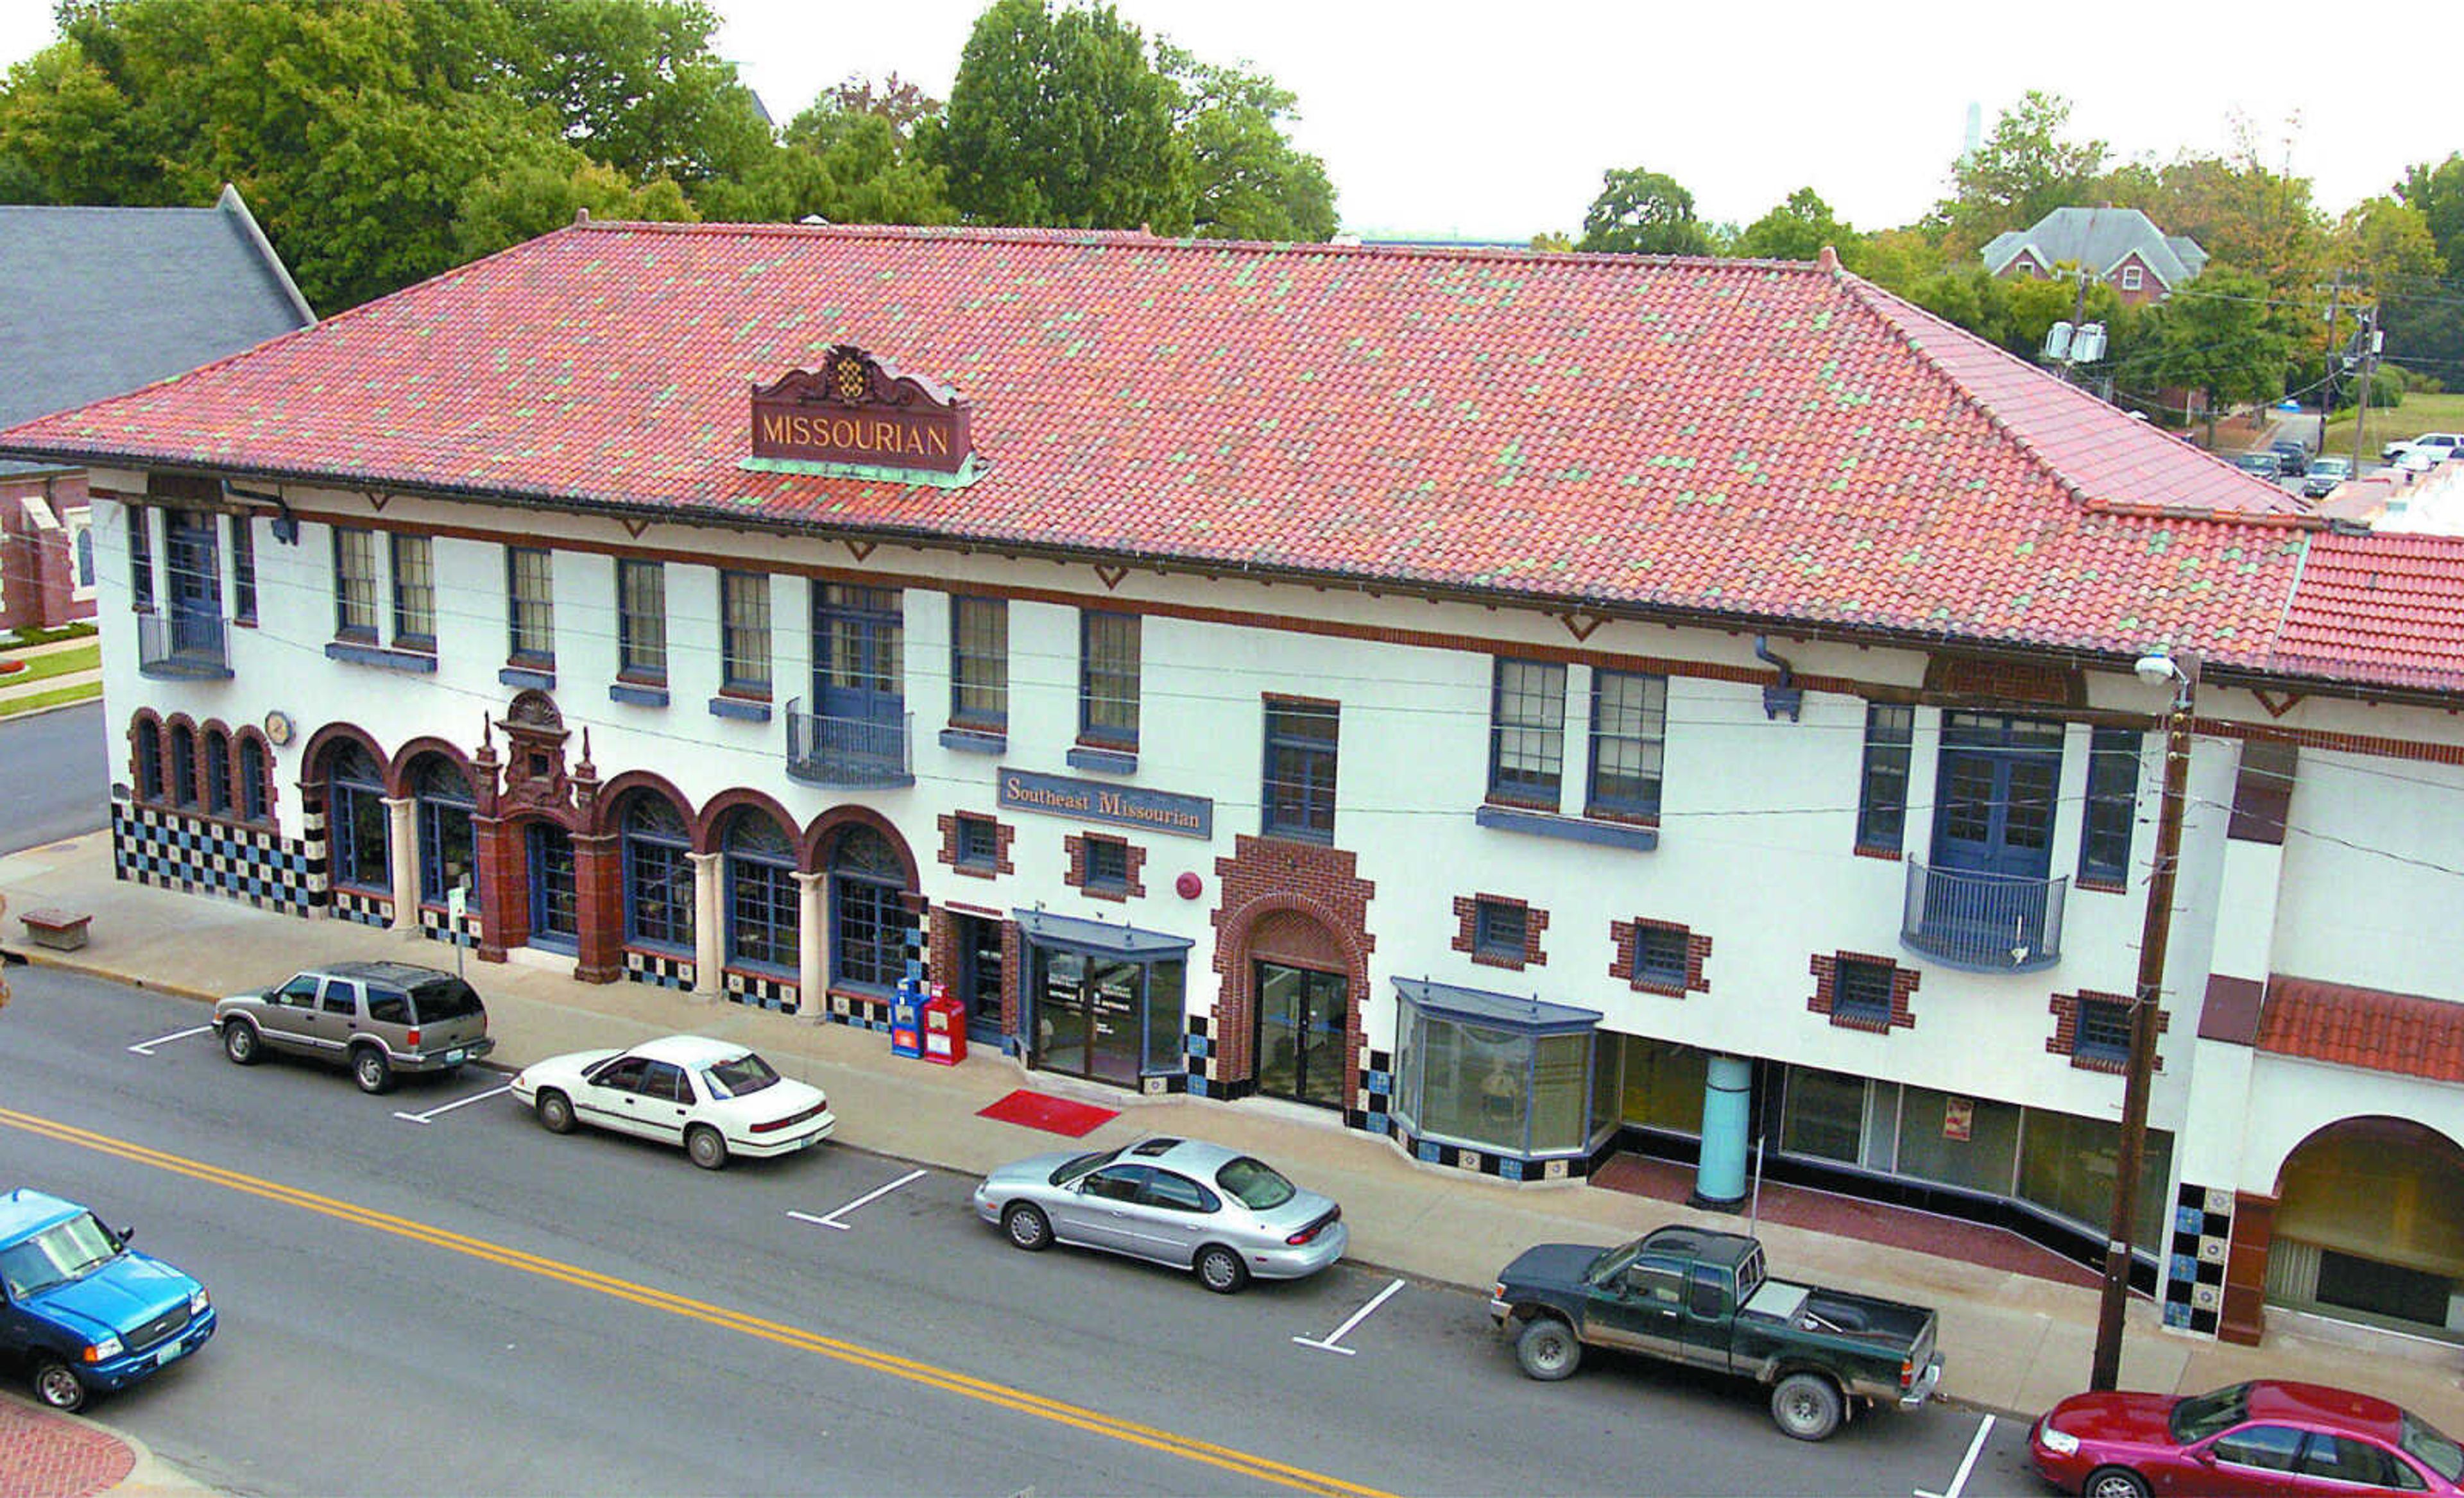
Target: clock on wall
[(277, 728)]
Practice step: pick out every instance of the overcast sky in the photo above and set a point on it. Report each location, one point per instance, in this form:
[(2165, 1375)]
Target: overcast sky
[(1496, 120)]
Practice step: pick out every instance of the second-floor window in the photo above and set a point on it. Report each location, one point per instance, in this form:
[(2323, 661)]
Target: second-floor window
[(1527, 732), (2131, 277), (414, 593), (1628, 720), (2104, 1029), (978, 840), (979, 661), (243, 553), (530, 593), (641, 620), (1107, 864), (1865, 991), (355, 583), (1108, 680), (744, 632), (1882, 794), (141, 557), (1498, 930), (1299, 790), (2112, 806)]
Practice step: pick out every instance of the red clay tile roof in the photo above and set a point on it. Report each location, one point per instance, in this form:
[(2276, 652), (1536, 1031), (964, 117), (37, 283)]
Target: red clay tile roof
[(1752, 440), (2385, 608), (2404, 1033)]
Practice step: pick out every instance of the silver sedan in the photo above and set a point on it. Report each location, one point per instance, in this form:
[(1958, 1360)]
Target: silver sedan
[(1177, 1201)]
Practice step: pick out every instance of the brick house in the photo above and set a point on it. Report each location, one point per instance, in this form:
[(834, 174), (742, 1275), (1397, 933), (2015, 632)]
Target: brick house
[(2120, 247)]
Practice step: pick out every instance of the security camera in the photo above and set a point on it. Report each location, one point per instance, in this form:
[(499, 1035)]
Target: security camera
[(2156, 670)]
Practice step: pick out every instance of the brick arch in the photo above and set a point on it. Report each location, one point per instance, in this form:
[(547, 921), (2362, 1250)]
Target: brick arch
[(611, 796), (713, 816), (398, 769), (248, 734), (826, 827), (145, 717), (312, 758), (194, 801)]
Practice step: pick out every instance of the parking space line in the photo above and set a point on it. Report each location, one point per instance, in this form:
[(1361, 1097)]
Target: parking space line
[(833, 1220), (1967, 1464), (1357, 1318), (147, 1047), (459, 1102)]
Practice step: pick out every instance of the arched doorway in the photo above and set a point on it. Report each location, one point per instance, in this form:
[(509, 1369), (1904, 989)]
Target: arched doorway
[(1304, 998), (555, 887), (2369, 1226)]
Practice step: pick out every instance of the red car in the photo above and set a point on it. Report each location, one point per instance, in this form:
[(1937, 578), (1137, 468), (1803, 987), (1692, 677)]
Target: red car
[(2262, 1436)]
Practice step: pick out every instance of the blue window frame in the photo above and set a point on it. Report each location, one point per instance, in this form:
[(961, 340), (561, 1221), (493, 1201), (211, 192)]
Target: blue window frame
[(1882, 792), (1108, 679), (141, 557), (979, 843), (1661, 955), (979, 663), (1861, 990), (149, 760), (358, 835), (218, 796), (1498, 929), (658, 874), (1299, 792), (445, 803), (1107, 864), (184, 765), (762, 906), (641, 620), (868, 915), (530, 605), (355, 583), (1629, 722), (2104, 1029), (1527, 732), (2112, 805), (243, 550), (251, 781), (744, 632), (414, 593)]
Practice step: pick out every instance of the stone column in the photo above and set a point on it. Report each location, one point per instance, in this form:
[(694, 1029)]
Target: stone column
[(813, 944), (710, 928), (504, 896), (402, 817)]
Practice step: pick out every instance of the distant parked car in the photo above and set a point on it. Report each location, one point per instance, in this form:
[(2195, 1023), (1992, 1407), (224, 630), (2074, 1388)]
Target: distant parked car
[(380, 1019), (2326, 475), (2436, 446), (2262, 1436), (1177, 1201), (2292, 454), (714, 1097), (2265, 465), (84, 1310)]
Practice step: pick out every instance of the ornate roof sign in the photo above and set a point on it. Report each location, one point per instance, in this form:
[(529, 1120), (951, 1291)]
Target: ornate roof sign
[(859, 417)]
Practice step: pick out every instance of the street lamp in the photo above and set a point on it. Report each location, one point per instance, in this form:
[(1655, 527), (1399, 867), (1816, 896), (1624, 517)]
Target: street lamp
[(2182, 672)]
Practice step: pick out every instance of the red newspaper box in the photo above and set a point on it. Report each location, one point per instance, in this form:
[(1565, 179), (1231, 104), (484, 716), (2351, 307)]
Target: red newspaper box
[(945, 1030)]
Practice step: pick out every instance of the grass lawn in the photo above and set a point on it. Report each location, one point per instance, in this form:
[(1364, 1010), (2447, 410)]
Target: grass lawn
[(2419, 413), (35, 702), (59, 663)]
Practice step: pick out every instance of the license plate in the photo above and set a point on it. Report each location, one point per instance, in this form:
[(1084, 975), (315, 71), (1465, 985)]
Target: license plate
[(454, 1057), (169, 1353)]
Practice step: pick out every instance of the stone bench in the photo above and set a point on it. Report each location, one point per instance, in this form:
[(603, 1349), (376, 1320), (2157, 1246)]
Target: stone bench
[(62, 931)]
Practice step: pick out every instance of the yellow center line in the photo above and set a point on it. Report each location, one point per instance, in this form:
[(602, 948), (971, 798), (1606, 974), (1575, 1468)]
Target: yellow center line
[(945, 1379)]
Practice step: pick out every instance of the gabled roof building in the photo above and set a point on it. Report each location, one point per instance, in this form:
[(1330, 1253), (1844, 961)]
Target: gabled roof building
[(2120, 247), (1526, 707)]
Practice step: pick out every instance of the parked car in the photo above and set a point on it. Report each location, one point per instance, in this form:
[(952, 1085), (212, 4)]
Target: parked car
[(2262, 1436), (2434, 447), (1695, 1296), (1183, 1202), (2292, 454), (714, 1097), (380, 1019), (2266, 465), (81, 1309), (2326, 475)]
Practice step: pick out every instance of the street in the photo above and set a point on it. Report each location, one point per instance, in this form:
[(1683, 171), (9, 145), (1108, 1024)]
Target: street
[(426, 1292), (58, 780)]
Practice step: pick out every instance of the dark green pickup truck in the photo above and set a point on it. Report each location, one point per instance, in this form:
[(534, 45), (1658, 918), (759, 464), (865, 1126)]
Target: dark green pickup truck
[(1700, 1297)]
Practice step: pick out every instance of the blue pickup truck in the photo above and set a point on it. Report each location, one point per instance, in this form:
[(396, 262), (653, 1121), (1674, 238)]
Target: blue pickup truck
[(84, 1311)]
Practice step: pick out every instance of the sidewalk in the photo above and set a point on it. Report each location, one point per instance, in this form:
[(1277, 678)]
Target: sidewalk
[(2012, 1342)]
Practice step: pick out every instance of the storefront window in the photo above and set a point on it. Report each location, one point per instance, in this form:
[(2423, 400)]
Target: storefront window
[(2067, 1166), (445, 807), (1104, 1000), (658, 874), (1824, 1115), (1512, 1077), (1969, 1142), (1663, 1086), (356, 818)]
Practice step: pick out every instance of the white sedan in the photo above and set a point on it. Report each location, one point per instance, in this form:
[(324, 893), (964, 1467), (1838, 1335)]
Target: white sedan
[(714, 1097)]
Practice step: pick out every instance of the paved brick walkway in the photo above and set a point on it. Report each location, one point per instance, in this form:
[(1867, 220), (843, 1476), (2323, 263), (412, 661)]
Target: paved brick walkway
[(46, 1455)]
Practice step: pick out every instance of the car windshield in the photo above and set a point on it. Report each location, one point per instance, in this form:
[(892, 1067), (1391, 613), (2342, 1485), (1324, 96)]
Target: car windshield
[(60, 1253), (2203, 1414), (2429, 1445), (1255, 1185), (447, 999), (738, 1076), (1078, 1165)]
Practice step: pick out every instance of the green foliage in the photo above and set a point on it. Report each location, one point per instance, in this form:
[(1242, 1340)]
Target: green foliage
[(1250, 184), (637, 87), (1057, 119), (2216, 336), (1799, 230), (2020, 173), (851, 158), (1642, 213)]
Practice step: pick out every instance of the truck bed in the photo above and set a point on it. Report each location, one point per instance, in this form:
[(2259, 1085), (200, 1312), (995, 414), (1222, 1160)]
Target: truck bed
[(1838, 1312)]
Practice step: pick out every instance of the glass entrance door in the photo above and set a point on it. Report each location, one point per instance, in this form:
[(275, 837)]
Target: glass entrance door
[(1300, 1034), (1088, 1012), (556, 913), (194, 569), (980, 976)]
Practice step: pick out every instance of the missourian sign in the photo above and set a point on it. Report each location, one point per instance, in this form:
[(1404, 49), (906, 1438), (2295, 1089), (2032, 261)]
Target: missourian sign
[(857, 410), (1061, 796)]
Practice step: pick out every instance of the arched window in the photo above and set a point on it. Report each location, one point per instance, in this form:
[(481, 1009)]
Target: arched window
[(149, 760), (184, 765), (760, 892), (444, 806), (252, 780), (658, 875), (868, 921), (362, 845), (218, 786)]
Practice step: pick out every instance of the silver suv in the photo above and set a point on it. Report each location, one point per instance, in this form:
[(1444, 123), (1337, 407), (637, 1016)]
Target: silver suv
[(377, 1018)]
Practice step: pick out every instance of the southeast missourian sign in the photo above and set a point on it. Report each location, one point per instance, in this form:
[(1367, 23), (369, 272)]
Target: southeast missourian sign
[(857, 410)]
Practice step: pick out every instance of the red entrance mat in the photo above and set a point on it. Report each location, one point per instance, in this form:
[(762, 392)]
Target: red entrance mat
[(1056, 1115)]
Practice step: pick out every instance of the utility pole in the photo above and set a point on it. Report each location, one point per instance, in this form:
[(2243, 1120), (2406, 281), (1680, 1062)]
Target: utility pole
[(2182, 672), (2328, 382), (2369, 337)]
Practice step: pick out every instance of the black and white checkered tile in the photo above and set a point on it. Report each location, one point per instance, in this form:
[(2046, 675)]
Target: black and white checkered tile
[(768, 993), (645, 966), (170, 850), (2195, 1265)]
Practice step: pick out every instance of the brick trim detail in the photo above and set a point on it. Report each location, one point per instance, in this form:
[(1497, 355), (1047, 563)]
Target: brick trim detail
[(1825, 968), (1003, 834), (1627, 937), (1467, 930), (1266, 875), (2064, 1041), (1134, 860)]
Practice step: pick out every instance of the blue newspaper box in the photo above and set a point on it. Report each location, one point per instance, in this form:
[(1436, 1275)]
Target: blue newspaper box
[(907, 1019)]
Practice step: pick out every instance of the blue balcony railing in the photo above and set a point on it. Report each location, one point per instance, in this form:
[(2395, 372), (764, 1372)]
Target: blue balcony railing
[(1984, 921), (848, 751), (187, 645)]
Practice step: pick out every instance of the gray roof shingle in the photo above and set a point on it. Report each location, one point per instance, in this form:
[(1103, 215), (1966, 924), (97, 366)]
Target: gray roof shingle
[(2100, 239)]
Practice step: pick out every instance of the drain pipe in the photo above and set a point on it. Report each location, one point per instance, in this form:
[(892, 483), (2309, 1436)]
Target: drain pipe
[(1782, 695)]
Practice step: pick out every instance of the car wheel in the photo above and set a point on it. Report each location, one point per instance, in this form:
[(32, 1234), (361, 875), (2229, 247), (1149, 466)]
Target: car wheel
[(371, 1070), (2115, 1482), (57, 1384), (705, 1148), (1027, 1227), (555, 1112), (1547, 1349), (240, 1043), (1806, 1406), (1221, 1269)]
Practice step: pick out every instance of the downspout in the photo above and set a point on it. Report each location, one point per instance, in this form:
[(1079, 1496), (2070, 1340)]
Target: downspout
[(1782, 695)]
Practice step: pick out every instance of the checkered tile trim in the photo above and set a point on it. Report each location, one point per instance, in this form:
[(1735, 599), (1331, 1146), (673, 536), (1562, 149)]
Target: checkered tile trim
[(168, 851), (644, 967), (1480, 1162), (432, 923), (870, 1014), (768, 993), (368, 909), (2194, 1269)]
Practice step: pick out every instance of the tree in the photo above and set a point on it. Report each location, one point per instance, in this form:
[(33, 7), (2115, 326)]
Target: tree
[(1056, 117), (2216, 336), (2019, 173), (1799, 230), (1250, 184), (638, 88), (2424, 320), (1642, 213)]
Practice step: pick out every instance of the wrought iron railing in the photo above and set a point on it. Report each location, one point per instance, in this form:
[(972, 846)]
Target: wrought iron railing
[(848, 751), (177, 644), (1984, 921)]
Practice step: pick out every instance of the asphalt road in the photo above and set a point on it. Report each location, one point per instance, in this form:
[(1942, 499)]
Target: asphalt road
[(427, 1293), (58, 782)]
